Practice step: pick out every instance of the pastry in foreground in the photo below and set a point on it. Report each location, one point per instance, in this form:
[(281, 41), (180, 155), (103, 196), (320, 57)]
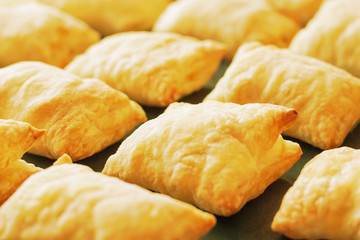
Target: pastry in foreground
[(214, 155), (327, 98), (153, 69), (324, 201), (81, 116), (34, 31), (112, 16), (229, 21), (333, 35), (71, 201), (15, 139)]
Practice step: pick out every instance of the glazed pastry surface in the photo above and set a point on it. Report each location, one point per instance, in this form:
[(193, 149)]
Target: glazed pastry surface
[(324, 201), (214, 155), (81, 116), (71, 201), (34, 31), (327, 98), (232, 22), (153, 69), (333, 35)]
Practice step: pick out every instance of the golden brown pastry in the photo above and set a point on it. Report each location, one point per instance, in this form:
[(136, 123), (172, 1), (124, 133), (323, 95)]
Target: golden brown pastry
[(112, 16), (15, 139), (81, 116), (214, 155), (326, 97), (229, 21), (324, 202), (153, 69), (333, 35), (72, 202), (34, 31), (300, 10)]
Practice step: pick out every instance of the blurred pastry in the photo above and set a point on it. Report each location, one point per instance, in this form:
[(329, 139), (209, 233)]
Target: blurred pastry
[(215, 155), (34, 31), (333, 35), (153, 69), (81, 116), (15, 139), (327, 98), (324, 201), (229, 21), (112, 16), (71, 201)]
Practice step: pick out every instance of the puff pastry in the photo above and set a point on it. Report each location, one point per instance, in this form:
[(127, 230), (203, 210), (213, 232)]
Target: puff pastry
[(326, 97), (226, 156), (15, 139), (229, 21), (324, 202), (81, 116), (333, 35), (34, 31), (71, 201), (112, 16), (300, 10), (153, 69)]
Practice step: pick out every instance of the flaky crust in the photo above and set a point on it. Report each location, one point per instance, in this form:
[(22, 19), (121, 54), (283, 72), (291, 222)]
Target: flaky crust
[(73, 202), (324, 201), (16, 138), (34, 31), (81, 116), (333, 35), (112, 16), (326, 98), (229, 21), (215, 155), (153, 69)]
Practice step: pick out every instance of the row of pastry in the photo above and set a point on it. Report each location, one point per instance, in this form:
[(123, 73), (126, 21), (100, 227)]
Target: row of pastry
[(228, 155)]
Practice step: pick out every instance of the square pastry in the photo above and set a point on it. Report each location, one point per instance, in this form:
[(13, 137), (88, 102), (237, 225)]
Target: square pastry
[(153, 69), (34, 31), (333, 35), (232, 22), (327, 98), (324, 202), (71, 201), (215, 155), (81, 116)]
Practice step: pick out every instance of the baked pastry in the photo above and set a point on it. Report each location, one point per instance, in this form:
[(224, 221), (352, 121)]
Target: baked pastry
[(324, 201), (15, 139), (300, 10), (153, 69), (113, 16), (326, 97), (333, 35), (71, 201), (81, 116), (229, 21), (34, 31), (226, 156)]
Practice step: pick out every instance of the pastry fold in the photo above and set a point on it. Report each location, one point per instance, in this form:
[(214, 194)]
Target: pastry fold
[(232, 22), (324, 202), (34, 31), (333, 35), (15, 139), (214, 155), (112, 16), (81, 116), (72, 202), (153, 69), (326, 97)]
